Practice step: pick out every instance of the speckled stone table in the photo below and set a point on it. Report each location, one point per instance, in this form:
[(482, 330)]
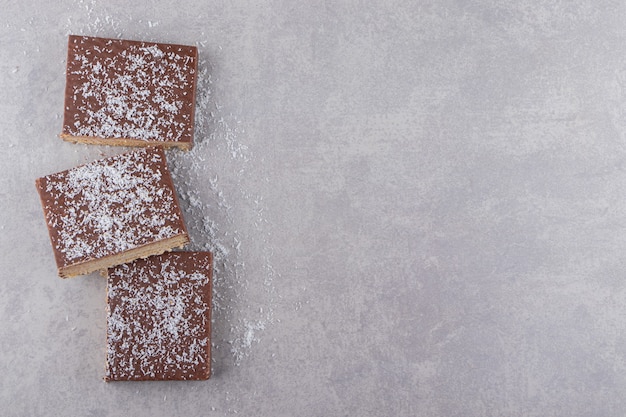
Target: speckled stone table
[(416, 209)]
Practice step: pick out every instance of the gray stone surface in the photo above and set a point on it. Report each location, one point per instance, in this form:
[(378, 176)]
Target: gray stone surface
[(418, 208)]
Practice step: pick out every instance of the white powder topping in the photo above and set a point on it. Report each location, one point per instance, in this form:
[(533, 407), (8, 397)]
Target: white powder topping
[(125, 89), (112, 205), (158, 318)]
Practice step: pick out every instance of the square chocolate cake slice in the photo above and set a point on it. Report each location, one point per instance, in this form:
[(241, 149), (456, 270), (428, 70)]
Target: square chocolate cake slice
[(111, 211), (129, 93), (159, 318)]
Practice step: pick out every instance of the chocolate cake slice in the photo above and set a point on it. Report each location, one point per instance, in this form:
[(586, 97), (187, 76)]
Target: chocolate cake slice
[(129, 93), (159, 318), (111, 211)]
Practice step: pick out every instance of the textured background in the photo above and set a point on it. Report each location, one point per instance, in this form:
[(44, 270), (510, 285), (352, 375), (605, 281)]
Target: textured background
[(418, 209)]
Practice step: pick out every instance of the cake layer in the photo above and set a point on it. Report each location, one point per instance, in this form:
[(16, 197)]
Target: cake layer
[(130, 93), (111, 211)]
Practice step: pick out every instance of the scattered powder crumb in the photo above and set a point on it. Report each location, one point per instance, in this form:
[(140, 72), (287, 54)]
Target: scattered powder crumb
[(243, 304)]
